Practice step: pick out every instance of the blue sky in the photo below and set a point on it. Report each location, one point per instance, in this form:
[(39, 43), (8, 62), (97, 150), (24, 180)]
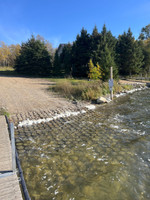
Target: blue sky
[(59, 21)]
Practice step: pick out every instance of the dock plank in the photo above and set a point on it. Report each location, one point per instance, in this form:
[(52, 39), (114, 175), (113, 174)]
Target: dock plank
[(9, 188), (9, 185), (5, 147)]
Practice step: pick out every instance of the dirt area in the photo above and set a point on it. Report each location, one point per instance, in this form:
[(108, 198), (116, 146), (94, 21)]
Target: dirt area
[(20, 95), (133, 82)]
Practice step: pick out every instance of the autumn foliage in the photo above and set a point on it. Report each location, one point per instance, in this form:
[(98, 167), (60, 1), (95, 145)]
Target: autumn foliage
[(95, 72)]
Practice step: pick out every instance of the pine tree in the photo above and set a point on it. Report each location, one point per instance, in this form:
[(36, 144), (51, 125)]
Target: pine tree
[(34, 59), (106, 62), (56, 65), (130, 56), (66, 59), (106, 52), (138, 59), (81, 53), (95, 43), (63, 61)]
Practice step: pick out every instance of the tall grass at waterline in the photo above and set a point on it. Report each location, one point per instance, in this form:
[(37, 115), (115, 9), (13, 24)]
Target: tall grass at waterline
[(84, 89)]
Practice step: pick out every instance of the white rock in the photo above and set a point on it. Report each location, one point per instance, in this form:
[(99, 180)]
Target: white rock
[(101, 100), (90, 107)]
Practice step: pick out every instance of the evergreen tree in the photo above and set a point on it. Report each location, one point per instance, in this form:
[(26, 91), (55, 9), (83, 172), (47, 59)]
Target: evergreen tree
[(106, 53), (81, 53), (130, 56), (95, 43), (56, 65), (66, 59), (62, 61), (34, 59), (107, 61), (138, 59)]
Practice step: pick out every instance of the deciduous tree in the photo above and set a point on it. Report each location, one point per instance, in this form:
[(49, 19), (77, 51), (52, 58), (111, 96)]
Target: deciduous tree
[(14, 52), (4, 54), (95, 72), (145, 33), (48, 45)]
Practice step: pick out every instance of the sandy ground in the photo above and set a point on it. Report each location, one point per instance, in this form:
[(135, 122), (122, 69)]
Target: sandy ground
[(19, 95), (133, 82)]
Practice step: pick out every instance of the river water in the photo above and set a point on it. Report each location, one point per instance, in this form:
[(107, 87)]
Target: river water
[(99, 155)]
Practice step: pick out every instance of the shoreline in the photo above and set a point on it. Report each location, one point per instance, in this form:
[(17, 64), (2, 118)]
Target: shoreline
[(131, 91), (84, 108)]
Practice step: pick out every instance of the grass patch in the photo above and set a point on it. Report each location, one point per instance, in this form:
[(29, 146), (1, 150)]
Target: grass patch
[(76, 89), (9, 68), (4, 112), (7, 71)]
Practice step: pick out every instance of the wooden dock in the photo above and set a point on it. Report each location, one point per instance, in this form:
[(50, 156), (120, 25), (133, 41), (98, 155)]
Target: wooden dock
[(9, 183)]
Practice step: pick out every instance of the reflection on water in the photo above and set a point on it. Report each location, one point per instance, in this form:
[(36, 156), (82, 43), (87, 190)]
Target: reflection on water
[(100, 155)]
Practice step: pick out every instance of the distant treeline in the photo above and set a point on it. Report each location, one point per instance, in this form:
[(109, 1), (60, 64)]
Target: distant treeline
[(126, 55), (98, 51)]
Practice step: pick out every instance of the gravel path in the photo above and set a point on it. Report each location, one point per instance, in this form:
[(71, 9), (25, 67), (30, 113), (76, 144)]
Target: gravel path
[(22, 95)]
